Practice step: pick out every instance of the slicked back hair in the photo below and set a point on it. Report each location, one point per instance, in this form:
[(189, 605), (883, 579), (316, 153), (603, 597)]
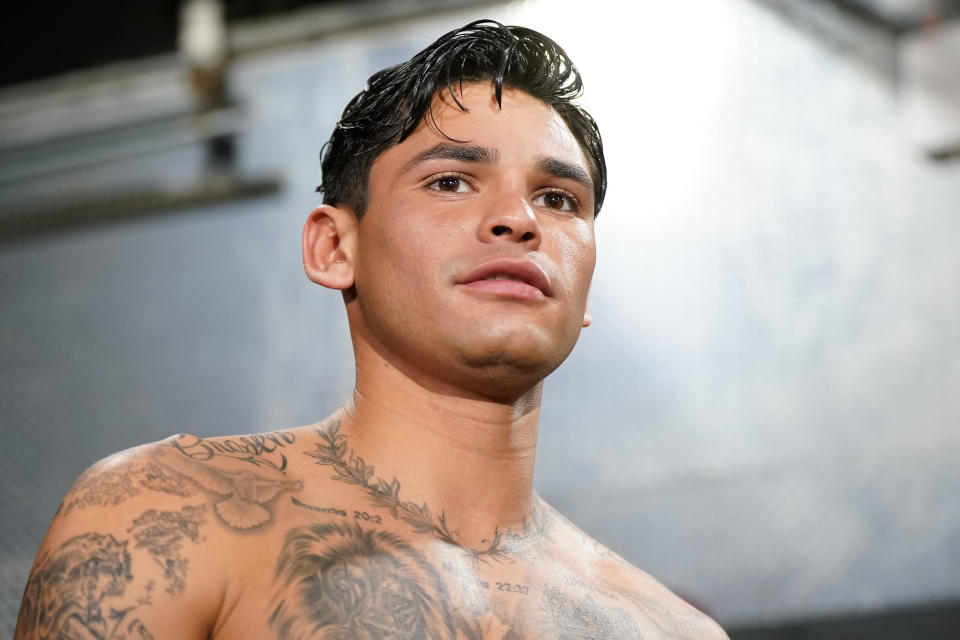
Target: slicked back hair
[(399, 98)]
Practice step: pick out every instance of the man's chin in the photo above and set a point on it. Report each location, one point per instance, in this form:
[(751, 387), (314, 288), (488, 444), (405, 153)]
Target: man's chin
[(503, 380), (511, 369), (506, 361)]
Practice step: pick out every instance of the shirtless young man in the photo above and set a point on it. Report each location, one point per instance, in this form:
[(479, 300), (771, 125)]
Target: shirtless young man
[(460, 193)]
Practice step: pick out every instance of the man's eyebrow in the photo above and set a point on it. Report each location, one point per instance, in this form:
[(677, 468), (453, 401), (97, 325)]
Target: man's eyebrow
[(452, 151), (564, 169)]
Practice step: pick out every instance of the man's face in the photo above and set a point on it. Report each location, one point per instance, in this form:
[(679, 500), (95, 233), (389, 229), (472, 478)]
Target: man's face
[(474, 258)]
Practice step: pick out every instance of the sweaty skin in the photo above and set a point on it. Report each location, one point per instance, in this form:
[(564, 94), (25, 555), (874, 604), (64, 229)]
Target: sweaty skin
[(409, 513)]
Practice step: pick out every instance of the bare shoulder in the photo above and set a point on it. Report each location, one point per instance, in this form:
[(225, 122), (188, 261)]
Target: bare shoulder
[(672, 613), (237, 477), (121, 548), (114, 485), (658, 612), (137, 547)]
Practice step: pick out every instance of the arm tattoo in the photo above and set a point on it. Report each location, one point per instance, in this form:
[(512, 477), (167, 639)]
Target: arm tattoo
[(80, 589), (162, 533)]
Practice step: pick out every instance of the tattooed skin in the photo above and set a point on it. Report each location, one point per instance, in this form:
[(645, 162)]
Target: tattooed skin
[(316, 509), (64, 596), (108, 488), (332, 451), (162, 534), (339, 582), (360, 563), (260, 449), (241, 499), (582, 618), (114, 486), (80, 589), (345, 581), (156, 478)]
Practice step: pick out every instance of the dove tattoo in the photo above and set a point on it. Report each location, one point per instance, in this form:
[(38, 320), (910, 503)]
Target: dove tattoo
[(242, 494)]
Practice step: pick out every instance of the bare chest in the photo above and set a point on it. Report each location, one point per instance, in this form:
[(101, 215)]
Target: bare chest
[(353, 575)]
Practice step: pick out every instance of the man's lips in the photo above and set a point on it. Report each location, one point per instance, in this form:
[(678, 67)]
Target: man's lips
[(509, 277)]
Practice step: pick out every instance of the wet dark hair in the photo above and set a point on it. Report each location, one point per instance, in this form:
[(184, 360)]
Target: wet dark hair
[(397, 100)]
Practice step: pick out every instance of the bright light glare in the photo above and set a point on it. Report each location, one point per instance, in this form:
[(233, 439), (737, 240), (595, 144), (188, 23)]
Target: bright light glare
[(654, 75)]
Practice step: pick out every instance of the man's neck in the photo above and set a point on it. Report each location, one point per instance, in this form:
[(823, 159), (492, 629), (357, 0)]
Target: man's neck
[(470, 459)]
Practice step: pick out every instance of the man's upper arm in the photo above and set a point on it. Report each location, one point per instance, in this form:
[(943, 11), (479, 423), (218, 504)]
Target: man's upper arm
[(125, 557)]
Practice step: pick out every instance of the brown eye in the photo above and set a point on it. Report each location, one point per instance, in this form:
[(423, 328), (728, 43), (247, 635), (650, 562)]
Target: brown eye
[(448, 184), (557, 201), (554, 200)]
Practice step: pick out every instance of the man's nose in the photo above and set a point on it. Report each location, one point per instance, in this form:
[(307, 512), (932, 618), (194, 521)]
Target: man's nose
[(511, 220)]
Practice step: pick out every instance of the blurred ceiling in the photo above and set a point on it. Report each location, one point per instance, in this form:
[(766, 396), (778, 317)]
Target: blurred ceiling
[(46, 41)]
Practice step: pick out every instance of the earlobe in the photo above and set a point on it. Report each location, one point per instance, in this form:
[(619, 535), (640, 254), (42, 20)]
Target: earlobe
[(587, 318), (329, 241)]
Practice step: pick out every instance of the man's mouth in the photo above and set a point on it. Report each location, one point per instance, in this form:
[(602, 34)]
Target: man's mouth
[(509, 277)]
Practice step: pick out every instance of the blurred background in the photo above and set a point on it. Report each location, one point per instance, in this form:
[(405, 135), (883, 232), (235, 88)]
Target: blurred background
[(765, 413)]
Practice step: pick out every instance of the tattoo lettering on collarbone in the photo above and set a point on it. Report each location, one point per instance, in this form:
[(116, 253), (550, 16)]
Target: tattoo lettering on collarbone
[(332, 510), (261, 449), (332, 451), (80, 589), (370, 518), (339, 581)]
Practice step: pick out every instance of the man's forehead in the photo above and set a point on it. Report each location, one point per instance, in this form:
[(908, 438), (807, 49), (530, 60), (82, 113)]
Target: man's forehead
[(480, 98), (476, 128)]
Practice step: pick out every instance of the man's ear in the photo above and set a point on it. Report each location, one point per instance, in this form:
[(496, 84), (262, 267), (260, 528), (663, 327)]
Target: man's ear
[(587, 318), (329, 245)]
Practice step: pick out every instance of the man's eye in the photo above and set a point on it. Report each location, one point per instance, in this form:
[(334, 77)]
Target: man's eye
[(450, 184), (556, 200)]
